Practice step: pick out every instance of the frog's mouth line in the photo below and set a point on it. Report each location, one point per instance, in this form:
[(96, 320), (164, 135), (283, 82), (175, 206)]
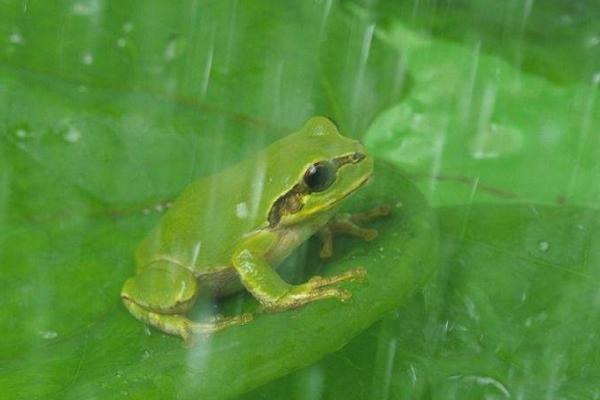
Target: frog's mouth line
[(353, 189)]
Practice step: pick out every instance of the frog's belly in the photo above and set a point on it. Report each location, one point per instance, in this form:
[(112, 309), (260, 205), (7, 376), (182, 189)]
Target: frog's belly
[(220, 282), (288, 241)]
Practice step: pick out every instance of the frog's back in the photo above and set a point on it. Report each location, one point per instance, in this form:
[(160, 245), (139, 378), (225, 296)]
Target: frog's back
[(215, 213), (208, 220)]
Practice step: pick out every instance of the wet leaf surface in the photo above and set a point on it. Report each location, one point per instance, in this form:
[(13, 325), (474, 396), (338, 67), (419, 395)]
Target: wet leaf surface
[(66, 326), (513, 313), (108, 110)]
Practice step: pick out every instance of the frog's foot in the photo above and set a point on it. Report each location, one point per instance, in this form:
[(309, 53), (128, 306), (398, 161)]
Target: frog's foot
[(160, 294), (274, 294), (315, 289), (350, 224)]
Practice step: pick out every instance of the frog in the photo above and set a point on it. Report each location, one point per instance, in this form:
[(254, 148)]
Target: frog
[(229, 231)]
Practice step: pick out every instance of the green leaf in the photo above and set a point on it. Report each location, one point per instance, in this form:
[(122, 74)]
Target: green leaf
[(105, 112), (513, 313), (108, 109), (556, 40), (64, 323), (475, 128)]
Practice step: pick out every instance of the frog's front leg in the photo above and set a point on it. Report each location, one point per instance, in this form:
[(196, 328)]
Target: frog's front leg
[(265, 284), (161, 293), (350, 224)]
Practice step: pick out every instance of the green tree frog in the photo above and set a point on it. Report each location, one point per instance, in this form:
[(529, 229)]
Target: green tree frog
[(230, 230)]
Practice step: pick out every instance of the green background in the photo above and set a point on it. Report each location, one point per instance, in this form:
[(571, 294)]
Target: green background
[(108, 109)]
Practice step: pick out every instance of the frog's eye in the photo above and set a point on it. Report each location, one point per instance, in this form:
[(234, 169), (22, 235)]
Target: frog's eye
[(319, 176)]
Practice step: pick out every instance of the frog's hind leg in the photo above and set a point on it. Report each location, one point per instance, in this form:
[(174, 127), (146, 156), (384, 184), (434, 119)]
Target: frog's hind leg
[(161, 293)]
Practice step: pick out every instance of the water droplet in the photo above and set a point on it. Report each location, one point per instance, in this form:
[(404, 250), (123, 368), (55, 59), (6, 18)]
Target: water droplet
[(146, 211), (127, 27), (399, 204), (159, 207), (119, 374), (543, 245), (313, 388), (444, 327), (489, 381), (471, 309), (566, 19), (16, 38), (208, 65), (417, 121), (146, 355), (121, 42), (147, 330), (550, 134), (21, 133), (592, 41), (596, 78), (87, 59), (389, 366), (241, 210), (174, 48), (496, 141), (413, 375), (72, 135), (196, 252), (88, 8), (49, 335)]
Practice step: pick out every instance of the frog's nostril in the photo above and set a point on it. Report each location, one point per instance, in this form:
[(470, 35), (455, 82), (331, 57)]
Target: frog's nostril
[(334, 122), (356, 157)]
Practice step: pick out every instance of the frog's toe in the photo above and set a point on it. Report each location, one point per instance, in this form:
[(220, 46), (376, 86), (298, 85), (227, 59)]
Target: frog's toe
[(355, 230), (242, 318), (301, 295), (327, 293), (219, 322), (374, 213), (338, 293), (326, 252), (368, 234), (355, 274), (245, 318)]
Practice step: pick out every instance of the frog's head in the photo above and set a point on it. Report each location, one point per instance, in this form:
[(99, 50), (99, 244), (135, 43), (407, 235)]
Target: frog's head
[(324, 169)]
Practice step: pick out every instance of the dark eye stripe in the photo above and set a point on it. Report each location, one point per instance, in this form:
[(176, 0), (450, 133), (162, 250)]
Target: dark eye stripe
[(349, 159)]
